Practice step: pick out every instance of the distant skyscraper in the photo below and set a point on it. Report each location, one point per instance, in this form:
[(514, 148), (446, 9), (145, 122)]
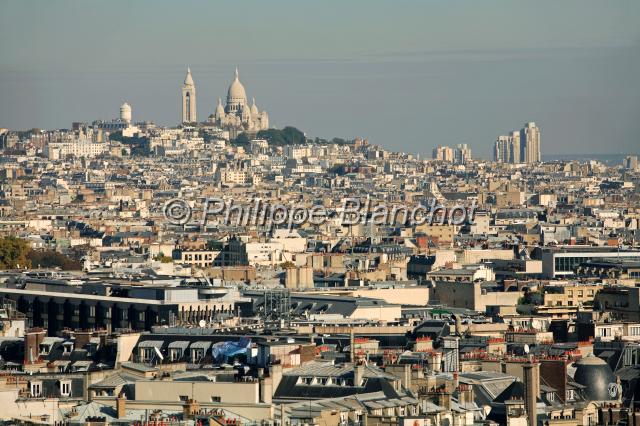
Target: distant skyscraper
[(530, 143), (462, 154), (125, 112), (502, 150), (443, 153), (631, 162), (515, 156), (189, 99)]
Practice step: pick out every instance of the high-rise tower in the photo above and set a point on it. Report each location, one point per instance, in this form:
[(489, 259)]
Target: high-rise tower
[(530, 143), (189, 99)]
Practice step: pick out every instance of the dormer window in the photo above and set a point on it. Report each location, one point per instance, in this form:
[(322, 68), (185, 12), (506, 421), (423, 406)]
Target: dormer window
[(197, 354), (65, 388), (36, 389), (45, 349)]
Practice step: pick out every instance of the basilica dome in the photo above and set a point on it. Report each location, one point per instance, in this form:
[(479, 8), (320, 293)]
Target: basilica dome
[(236, 93)]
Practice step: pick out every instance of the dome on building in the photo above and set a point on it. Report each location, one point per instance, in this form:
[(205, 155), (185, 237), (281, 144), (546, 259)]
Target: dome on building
[(236, 91), (219, 109), (597, 377), (237, 115), (125, 112)]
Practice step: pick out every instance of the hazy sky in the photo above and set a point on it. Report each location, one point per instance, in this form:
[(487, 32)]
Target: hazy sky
[(406, 74)]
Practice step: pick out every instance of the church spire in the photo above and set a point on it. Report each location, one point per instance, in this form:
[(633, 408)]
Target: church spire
[(237, 73), (188, 80)]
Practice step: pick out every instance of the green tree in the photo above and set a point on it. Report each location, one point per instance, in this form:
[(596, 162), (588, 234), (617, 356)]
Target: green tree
[(53, 259), (287, 136)]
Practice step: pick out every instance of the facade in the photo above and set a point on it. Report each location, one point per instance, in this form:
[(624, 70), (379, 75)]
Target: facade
[(566, 260), (81, 148)]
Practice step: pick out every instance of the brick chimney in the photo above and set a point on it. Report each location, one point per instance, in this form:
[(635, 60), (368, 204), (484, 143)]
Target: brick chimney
[(531, 390), (82, 338), (190, 409), (121, 406), (32, 340)]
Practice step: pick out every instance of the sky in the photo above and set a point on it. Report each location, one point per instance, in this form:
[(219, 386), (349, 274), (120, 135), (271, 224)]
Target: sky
[(407, 75)]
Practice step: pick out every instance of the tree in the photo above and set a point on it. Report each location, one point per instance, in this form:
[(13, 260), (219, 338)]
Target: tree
[(241, 140), (14, 253), (287, 136), (53, 259)]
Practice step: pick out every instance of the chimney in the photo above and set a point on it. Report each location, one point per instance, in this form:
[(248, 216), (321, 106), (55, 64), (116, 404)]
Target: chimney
[(275, 372), (407, 376), (82, 338), (121, 406), (358, 374), (283, 415), (32, 340), (352, 346), (531, 390), (444, 398), (266, 390), (465, 394), (190, 409)]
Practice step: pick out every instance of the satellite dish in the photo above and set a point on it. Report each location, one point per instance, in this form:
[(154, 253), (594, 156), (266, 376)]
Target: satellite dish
[(202, 323), (526, 349)]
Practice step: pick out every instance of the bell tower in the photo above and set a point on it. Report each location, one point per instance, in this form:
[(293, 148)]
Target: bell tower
[(188, 99)]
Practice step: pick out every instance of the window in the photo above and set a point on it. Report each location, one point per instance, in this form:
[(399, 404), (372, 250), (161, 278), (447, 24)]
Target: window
[(36, 389), (215, 399), (604, 332), (183, 398), (65, 388), (175, 354), (146, 354)]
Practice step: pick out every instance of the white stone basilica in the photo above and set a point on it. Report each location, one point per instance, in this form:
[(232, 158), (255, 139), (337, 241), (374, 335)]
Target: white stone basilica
[(236, 116)]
